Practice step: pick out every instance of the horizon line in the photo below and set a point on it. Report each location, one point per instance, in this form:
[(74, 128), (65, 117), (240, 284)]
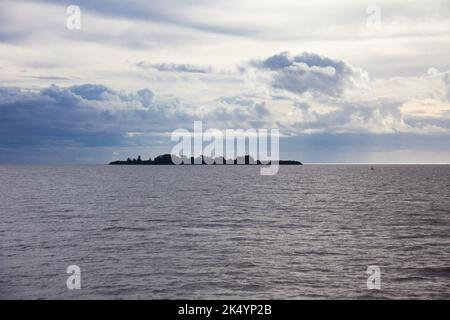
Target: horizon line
[(304, 163)]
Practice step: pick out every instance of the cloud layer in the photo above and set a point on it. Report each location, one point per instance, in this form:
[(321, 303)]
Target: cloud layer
[(299, 94), (137, 70)]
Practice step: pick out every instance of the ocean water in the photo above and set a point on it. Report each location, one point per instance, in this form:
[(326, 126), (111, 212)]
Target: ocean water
[(213, 232)]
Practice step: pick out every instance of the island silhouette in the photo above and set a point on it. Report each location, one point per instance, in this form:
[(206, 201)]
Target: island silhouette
[(166, 159)]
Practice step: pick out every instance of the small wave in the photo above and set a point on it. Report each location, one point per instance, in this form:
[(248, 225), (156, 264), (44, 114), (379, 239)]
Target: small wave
[(435, 271), (119, 228)]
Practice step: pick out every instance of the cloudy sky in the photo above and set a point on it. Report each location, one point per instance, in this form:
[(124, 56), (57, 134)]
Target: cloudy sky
[(349, 81)]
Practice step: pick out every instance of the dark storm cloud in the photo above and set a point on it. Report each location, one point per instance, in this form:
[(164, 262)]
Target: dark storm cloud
[(85, 115), (93, 115), (84, 122), (87, 122)]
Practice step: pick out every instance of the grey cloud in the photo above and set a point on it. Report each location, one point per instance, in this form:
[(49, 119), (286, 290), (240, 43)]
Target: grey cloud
[(308, 72), (53, 78), (171, 12), (367, 115), (276, 62), (419, 122), (367, 148), (446, 79), (86, 115), (242, 101), (261, 109), (52, 120), (252, 109), (97, 117), (91, 91), (173, 67)]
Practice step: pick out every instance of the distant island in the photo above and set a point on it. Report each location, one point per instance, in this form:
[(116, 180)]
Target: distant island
[(166, 159)]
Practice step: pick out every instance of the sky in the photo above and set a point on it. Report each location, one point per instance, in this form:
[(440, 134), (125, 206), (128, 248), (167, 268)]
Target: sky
[(344, 81)]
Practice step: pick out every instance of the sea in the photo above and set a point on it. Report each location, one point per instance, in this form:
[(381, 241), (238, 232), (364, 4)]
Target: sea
[(225, 232)]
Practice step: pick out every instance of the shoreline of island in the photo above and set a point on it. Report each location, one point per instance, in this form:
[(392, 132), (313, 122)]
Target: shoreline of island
[(166, 159)]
